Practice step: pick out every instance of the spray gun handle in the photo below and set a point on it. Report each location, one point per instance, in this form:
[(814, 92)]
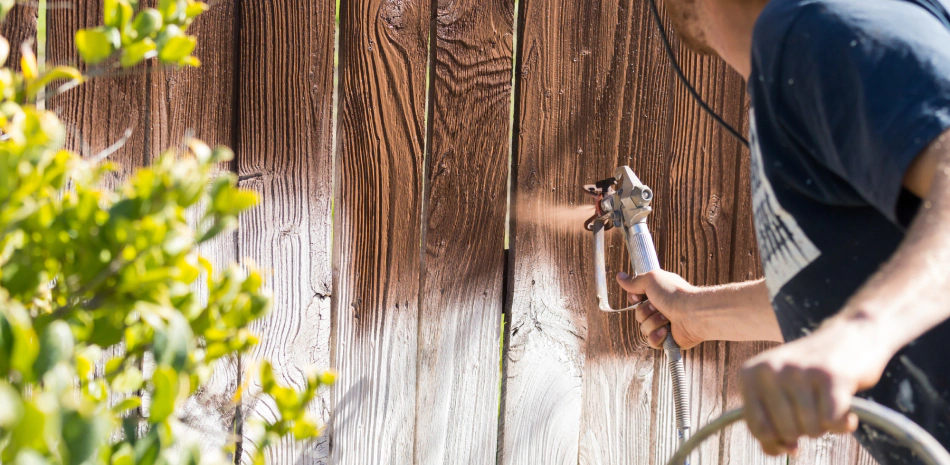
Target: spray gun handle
[(643, 258)]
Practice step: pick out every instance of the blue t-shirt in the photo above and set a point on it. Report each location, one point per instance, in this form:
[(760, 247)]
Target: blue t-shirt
[(845, 95)]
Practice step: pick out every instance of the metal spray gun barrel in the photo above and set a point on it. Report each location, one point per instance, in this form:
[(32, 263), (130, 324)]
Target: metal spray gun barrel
[(624, 202)]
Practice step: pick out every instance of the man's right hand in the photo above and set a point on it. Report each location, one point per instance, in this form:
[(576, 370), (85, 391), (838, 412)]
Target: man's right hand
[(669, 296), (733, 312)]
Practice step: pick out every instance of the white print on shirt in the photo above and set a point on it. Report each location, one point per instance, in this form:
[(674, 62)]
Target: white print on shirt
[(784, 247)]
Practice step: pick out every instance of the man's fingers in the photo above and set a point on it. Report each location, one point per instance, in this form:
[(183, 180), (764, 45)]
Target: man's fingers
[(833, 406), (644, 311), (801, 396), (779, 411), (653, 323), (759, 425), (656, 338)]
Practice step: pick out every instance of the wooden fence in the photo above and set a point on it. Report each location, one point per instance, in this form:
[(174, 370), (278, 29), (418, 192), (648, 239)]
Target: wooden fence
[(411, 218)]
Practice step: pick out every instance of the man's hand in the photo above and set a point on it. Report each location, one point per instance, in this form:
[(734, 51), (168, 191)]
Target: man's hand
[(804, 388), (734, 312), (665, 291)]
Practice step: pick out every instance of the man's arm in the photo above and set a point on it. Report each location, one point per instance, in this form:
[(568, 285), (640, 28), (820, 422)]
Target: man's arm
[(805, 387), (731, 312)]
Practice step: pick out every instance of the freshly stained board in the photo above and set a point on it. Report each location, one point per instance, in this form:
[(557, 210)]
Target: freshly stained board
[(198, 102), (381, 137), (98, 113), (284, 86), (623, 377), (18, 28), (460, 304), (566, 131)]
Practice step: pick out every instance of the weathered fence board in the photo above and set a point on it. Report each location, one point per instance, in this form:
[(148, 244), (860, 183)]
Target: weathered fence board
[(460, 304), (383, 58), (283, 151), (19, 28), (98, 113), (199, 103)]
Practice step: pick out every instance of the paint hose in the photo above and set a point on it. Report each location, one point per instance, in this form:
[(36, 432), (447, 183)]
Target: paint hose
[(899, 427)]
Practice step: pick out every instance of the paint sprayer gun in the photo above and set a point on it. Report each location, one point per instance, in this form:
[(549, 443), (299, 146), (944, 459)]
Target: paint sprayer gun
[(624, 202)]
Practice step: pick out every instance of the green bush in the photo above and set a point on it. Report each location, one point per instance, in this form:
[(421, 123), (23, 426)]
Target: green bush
[(84, 268)]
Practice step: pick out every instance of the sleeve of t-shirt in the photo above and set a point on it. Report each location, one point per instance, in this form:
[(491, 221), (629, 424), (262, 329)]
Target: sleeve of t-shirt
[(866, 87)]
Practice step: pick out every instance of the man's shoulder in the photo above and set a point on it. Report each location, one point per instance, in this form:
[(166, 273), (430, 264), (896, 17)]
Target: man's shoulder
[(803, 27)]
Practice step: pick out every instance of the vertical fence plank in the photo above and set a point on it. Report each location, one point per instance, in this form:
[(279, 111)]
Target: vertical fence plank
[(98, 113), (622, 372), (462, 290), (18, 28), (199, 102), (284, 138), (383, 58), (572, 71)]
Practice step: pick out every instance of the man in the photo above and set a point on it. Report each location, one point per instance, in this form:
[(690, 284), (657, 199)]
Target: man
[(851, 195)]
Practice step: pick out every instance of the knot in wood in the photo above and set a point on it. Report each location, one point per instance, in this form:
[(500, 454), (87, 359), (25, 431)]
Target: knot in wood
[(393, 13)]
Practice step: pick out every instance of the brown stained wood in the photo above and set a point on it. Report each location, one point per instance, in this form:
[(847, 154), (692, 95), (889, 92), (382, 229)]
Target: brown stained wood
[(198, 102), (462, 290), (283, 152), (383, 59), (621, 374), (98, 113), (18, 28), (573, 73)]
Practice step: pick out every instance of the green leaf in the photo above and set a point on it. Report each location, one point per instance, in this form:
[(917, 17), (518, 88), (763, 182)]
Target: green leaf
[(56, 345), (4, 51), (305, 428), (94, 45), (128, 381), (195, 8), (126, 404), (165, 380), (11, 405), (59, 72), (147, 22), (173, 342), (268, 381), (83, 435), (5, 7), (177, 48), (136, 52), (123, 455)]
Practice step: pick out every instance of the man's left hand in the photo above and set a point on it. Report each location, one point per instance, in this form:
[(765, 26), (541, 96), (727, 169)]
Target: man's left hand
[(804, 388)]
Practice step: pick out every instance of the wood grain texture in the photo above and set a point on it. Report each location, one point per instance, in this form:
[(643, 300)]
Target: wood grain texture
[(283, 152), (568, 82), (832, 449), (383, 58), (198, 102), (18, 28), (460, 303), (98, 113)]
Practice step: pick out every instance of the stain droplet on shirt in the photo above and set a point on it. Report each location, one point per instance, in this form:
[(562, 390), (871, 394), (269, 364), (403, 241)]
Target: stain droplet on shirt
[(791, 81), (854, 43)]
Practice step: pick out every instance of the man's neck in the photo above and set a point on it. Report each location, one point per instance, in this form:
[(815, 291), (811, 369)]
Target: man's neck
[(728, 26)]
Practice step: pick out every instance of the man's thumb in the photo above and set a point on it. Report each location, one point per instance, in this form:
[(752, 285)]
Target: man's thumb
[(633, 284)]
